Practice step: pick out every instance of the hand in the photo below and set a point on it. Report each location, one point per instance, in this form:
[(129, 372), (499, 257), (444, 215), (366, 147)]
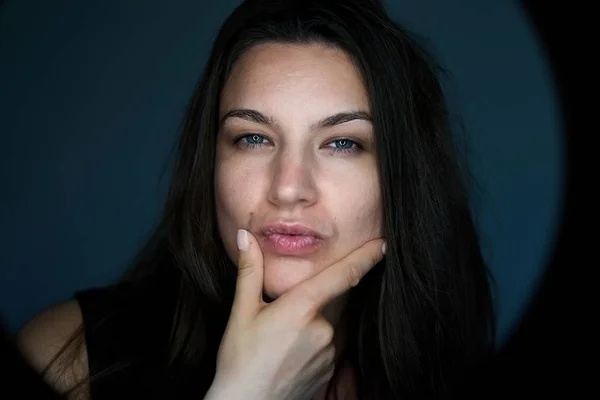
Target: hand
[(283, 349)]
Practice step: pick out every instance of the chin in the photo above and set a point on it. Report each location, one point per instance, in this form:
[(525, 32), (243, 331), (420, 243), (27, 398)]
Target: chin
[(282, 274)]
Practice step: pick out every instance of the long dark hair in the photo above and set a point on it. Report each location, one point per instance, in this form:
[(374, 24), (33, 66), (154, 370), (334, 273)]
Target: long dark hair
[(424, 315)]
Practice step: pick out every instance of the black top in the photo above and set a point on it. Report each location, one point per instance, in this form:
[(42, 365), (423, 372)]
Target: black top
[(127, 334), (18, 380)]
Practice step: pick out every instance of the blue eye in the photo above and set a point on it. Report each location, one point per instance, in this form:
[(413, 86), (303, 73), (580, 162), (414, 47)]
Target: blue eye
[(343, 146), (254, 139), (251, 141)]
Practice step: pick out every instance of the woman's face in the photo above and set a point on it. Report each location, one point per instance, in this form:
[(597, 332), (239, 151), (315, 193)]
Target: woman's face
[(296, 162)]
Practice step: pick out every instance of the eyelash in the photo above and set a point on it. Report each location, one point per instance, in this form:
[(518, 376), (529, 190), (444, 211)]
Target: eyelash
[(354, 149)]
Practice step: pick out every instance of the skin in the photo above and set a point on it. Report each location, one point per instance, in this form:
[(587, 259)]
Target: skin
[(293, 172), (287, 167), (285, 349), (298, 176)]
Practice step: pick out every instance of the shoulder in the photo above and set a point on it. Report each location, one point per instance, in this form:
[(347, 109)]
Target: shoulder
[(53, 343)]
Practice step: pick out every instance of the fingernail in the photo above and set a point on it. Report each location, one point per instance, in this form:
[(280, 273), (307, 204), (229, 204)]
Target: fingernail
[(383, 247), (243, 242)]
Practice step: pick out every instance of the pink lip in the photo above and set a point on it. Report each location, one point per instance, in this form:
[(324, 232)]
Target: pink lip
[(291, 239)]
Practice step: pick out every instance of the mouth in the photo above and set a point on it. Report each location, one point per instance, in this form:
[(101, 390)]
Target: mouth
[(291, 239)]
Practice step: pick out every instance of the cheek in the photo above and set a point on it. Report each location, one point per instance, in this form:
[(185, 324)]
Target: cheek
[(356, 209), (226, 192), (235, 198)]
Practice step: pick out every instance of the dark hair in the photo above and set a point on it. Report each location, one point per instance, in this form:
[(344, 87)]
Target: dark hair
[(424, 315)]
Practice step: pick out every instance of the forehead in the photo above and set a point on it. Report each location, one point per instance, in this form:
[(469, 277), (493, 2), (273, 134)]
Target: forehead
[(309, 76)]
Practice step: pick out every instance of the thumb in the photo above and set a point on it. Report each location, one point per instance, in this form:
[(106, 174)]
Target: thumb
[(249, 285)]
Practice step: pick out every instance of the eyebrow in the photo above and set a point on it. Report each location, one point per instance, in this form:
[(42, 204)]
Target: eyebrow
[(327, 122)]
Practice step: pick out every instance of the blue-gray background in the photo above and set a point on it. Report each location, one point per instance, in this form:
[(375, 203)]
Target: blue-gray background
[(91, 98)]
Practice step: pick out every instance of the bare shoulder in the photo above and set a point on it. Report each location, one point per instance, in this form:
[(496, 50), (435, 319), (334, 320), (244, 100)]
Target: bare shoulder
[(53, 343)]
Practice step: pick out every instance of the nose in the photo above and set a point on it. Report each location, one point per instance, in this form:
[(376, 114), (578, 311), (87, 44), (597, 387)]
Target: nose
[(293, 183)]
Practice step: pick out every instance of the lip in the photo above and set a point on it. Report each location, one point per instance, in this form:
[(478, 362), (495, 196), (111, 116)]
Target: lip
[(290, 238)]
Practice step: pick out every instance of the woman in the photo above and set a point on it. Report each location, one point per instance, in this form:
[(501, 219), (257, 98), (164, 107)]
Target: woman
[(318, 130)]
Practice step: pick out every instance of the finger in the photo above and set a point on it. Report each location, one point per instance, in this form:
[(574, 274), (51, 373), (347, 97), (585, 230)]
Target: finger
[(341, 276), (323, 364), (323, 360), (249, 284), (321, 332)]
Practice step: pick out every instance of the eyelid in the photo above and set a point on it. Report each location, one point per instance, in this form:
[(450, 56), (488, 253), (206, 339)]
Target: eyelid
[(356, 141), (239, 137), (357, 147)]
